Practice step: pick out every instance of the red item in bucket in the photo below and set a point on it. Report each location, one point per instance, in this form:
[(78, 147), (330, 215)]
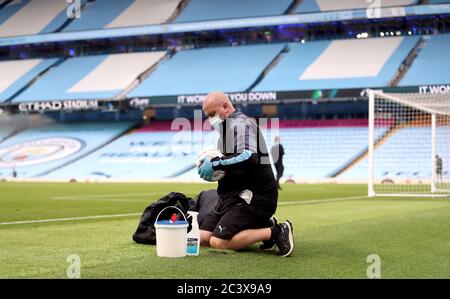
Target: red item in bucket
[(173, 218)]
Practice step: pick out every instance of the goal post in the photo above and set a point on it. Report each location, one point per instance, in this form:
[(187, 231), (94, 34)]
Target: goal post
[(411, 154)]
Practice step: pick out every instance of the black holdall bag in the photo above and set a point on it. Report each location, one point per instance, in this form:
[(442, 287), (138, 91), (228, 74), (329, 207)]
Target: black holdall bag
[(206, 201), (202, 203)]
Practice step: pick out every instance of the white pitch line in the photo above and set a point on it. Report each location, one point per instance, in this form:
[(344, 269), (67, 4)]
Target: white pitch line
[(69, 219), (306, 202), (104, 196), (137, 214)]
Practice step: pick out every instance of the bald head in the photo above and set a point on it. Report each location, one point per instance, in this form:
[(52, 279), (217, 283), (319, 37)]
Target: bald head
[(217, 103)]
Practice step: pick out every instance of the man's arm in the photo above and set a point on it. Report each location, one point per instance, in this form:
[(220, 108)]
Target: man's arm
[(245, 139)]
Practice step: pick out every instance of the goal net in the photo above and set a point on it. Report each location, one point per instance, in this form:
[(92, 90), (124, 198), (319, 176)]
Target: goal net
[(411, 154)]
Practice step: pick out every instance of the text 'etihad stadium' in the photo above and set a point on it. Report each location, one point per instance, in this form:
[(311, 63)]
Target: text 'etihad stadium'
[(58, 105)]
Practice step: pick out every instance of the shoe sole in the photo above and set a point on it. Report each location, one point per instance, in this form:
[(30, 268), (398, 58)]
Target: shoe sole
[(291, 238), (268, 248)]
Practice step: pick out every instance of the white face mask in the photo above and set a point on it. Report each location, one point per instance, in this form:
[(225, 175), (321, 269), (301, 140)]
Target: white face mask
[(215, 122)]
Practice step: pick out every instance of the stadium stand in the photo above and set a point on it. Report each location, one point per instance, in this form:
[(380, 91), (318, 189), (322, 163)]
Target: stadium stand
[(90, 77), (148, 153), (330, 5), (16, 74), (439, 1), (320, 150), (315, 152), (10, 9), (5, 131), (314, 149), (205, 10), (37, 150), (11, 124), (28, 17), (123, 13), (353, 63), (415, 162), (431, 65), (206, 69)]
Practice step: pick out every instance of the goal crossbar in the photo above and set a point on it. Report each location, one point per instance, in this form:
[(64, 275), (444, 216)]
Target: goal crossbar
[(439, 101)]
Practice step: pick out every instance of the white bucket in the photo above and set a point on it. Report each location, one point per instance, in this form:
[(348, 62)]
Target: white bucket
[(171, 237)]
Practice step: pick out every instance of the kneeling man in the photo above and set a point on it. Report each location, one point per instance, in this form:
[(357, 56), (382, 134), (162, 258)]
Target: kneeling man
[(248, 193)]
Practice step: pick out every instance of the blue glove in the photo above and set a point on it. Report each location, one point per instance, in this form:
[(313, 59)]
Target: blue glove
[(206, 170)]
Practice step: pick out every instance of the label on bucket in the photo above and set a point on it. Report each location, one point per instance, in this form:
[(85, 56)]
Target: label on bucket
[(192, 245)]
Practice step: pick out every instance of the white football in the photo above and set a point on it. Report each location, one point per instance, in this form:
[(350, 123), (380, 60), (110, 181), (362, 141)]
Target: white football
[(218, 174)]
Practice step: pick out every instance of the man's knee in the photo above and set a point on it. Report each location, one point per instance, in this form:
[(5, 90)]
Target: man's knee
[(219, 243)]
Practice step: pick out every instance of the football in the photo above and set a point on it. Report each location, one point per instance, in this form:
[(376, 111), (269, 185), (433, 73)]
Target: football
[(218, 174)]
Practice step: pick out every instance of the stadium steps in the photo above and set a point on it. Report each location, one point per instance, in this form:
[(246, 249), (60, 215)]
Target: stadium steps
[(292, 9), (144, 75), (132, 127), (363, 154), (270, 66), (12, 134), (20, 123), (406, 64), (177, 11), (57, 63), (5, 3)]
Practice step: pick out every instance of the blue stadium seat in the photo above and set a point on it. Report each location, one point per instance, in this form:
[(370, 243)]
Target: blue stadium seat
[(123, 13), (318, 152), (138, 156), (35, 17), (55, 84), (5, 132), (432, 65), (335, 64), (307, 6), (28, 75), (203, 10), (37, 150), (439, 1), (311, 152), (231, 69), (396, 158), (98, 14), (90, 77), (7, 11)]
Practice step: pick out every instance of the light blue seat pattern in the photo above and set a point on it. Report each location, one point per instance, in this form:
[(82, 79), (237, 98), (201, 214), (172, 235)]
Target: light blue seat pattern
[(230, 69), (285, 75), (432, 65), (26, 78), (405, 155), (203, 10), (56, 83), (90, 135)]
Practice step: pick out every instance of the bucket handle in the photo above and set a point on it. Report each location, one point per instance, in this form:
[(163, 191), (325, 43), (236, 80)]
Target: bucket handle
[(157, 217)]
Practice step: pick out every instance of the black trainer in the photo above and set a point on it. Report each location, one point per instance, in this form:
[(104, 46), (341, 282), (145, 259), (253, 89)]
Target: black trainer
[(270, 244), (285, 240)]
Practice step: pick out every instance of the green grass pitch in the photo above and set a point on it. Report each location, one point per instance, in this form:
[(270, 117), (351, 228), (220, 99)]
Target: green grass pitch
[(336, 228)]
